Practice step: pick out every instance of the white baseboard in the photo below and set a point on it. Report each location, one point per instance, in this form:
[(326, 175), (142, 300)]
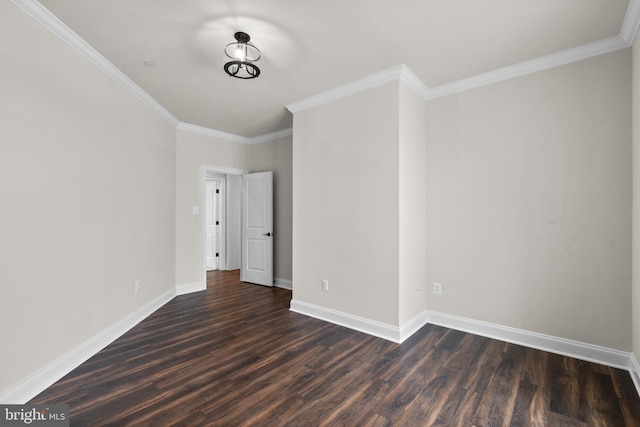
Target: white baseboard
[(413, 325), (190, 288), (565, 347), (634, 370), (371, 327), (381, 330), (49, 374), (283, 283), (578, 350)]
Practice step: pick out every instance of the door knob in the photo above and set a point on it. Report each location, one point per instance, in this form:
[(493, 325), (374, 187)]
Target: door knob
[(267, 234)]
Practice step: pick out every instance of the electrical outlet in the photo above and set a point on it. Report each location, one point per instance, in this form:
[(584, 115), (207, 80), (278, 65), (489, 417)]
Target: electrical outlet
[(437, 288), (325, 285), (136, 286)]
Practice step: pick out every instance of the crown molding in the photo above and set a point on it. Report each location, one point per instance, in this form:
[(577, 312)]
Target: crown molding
[(627, 34), (631, 22), (414, 83), (399, 72), (212, 132), (600, 47), (271, 136), (403, 73), (188, 127), (365, 83), (50, 22)]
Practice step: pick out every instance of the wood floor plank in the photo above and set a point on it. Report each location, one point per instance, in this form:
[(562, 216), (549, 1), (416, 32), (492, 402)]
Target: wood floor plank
[(235, 355), (498, 403)]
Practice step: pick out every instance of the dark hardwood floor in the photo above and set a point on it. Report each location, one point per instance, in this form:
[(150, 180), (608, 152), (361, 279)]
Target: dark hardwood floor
[(235, 355)]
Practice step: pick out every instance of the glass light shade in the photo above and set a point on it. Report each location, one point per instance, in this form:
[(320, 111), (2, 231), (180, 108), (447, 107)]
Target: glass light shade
[(242, 52)]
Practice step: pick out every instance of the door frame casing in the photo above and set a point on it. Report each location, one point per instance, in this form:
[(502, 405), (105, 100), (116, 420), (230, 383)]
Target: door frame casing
[(203, 223)]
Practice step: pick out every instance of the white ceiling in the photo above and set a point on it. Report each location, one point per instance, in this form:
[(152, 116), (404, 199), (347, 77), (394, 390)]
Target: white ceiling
[(312, 46)]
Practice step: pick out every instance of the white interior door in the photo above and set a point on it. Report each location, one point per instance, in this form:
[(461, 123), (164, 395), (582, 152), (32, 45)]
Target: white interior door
[(212, 225), (257, 228)]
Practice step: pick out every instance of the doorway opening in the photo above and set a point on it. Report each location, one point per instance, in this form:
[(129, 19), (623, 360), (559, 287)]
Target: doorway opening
[(215, 222), (220, 225)]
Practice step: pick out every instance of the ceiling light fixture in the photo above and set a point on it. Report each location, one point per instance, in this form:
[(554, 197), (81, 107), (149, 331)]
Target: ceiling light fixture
[(244, 55)]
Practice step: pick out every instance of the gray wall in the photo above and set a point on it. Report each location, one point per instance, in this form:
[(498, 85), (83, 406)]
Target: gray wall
[(87, 184), (529, 202), (276, 156), (412, 206), (528, 193), (97, 193), (194, 150), (345, 204), (359, 204)]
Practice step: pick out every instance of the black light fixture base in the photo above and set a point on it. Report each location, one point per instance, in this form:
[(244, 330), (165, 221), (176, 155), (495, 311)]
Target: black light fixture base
[(242, 37), (233, 67)]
